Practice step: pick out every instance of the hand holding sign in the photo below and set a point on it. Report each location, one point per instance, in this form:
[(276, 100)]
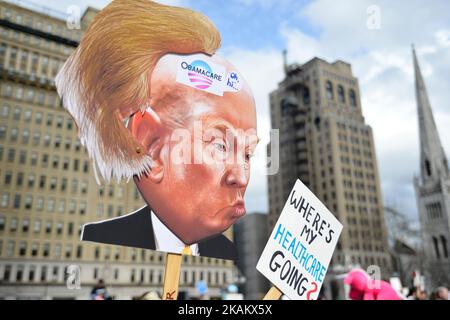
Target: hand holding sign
[(297, 255)]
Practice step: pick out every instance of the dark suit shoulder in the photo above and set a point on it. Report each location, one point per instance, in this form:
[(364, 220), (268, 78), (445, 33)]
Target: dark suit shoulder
[(131, 230), (218, 247)]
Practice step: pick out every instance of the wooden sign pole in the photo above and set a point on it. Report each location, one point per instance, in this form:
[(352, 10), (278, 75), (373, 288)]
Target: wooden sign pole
[(273, 294), (172, 276)]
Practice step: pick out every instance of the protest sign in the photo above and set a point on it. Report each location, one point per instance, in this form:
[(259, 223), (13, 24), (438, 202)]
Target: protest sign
[(299, 250)]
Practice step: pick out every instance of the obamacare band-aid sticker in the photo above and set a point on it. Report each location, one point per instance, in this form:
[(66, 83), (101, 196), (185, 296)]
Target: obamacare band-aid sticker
[(207, 76)]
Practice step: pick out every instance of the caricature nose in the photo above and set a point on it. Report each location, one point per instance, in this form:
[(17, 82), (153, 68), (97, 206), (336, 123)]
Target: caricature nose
[(237, 177)]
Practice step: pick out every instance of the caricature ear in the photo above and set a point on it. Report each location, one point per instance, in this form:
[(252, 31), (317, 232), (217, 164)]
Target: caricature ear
[(146, 128)]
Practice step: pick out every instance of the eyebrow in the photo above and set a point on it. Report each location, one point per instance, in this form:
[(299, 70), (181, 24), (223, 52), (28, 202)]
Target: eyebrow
[(224, 125)]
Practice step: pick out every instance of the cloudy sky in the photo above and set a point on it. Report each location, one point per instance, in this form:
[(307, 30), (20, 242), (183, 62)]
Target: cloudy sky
[(374, 36)]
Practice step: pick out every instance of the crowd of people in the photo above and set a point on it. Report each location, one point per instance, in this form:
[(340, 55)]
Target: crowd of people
[(361, 286)]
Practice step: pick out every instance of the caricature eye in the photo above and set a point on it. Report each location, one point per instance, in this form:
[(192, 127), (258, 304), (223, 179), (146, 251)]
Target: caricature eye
[(220, 146)]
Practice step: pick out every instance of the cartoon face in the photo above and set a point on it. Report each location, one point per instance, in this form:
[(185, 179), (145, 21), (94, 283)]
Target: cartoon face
[(201, 144)]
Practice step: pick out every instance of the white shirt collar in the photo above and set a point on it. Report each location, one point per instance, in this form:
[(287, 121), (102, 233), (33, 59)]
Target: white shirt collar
[(166, 241)]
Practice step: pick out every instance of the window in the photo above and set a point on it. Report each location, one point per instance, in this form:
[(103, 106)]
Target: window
[(17, 199), (51, 100), (329, 90), (41, 98), (22, 248), (74, 185), (28, 202), (48, 227), (2, 132), (38, 118), (19, 93), (436, 247), (444, 246), (39, 203), (53, 182), (34, 62), (8, 178), (67, 143), (79, 251), (5, 111), (82, 207), (50, 205), (37, 226), (57, 141), (16, 115), (72, 206), (8, 91), (44, 65), (86, 166), (30, 95), (27, 115), (25, 136), (2, 223), (99, 210), (57, 251), (36, 138), (42, 180), (13, 225), (46, 249), (25, 225), (11, 155), (66, 163), (107, 253), (68, 253), (341, 94), (19, 179), (63, 184), (19, 273), (13, 57), (23, 157), (59, 121), (110, 210), (352, 97), (84, 187), (43, 273), (34, 157), (34, 249), (55, 162), (10, 248), (24, 60), (31, 273), (61, 206)]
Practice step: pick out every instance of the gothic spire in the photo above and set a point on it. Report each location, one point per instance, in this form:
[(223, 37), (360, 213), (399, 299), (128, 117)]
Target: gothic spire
[(433, 162)]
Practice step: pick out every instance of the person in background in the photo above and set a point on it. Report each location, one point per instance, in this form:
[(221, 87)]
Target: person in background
[(441, 293), (362, 287), (99, 291)]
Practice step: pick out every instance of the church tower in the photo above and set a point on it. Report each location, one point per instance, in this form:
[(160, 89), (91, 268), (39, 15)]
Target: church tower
[(432, 190)]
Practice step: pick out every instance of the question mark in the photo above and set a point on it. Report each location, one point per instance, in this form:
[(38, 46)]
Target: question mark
[(308, 294)]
